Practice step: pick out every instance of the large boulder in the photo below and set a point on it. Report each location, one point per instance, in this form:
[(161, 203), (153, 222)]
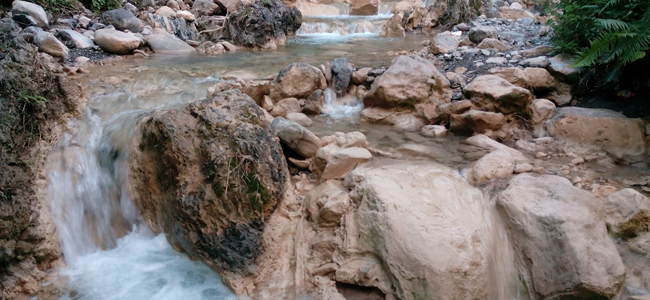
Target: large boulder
[(430, 230), (494, 93), (208, 176), (562, 243), (49, 44), (408, 81), (627, 213), (117, 42), (298, 80), (263, 24), (618, 135), (162, 42), (122, 19), (34, 12), (364, 7)]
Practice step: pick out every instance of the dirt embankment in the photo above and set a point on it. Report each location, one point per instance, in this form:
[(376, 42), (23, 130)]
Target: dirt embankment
[(35, 103)]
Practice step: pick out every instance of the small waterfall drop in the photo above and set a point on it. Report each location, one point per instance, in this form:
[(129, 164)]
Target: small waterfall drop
[(110, 253)]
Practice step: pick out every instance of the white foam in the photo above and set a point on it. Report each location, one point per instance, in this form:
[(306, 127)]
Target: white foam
[(143, 266)]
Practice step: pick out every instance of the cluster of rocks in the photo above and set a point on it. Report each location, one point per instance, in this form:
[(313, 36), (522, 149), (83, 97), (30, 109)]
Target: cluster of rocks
[(177, 27)]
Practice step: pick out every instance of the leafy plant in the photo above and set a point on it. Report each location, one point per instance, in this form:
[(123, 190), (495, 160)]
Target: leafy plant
[(103, 5), (611, 33)]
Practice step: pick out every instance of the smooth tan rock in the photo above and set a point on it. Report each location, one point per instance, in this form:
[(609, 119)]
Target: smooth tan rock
[(491, 43), (296, 137), (49, 44), (516, 76), (316, 9), (299, 118), (496, 164), (185, 15), (537, 51), (314, 103), (377, 115), (344, 161), (618, 135), (352, 139), (402, 7), (164, 43), (514, 14), (627, 213), (523, 168), (540, 80), (285, 107), (483, 141), (479, 33), (297, 80), (561, 66), (359, 76), (494, 93), (407, 81), (327, 202), (393, 27), (117, 42), (547, 215), (443, 42), (223, 86), (34, 11), (541, 110), (364, 7), (322, 156), (476, 121), (407, 122), (166, 11), (434, 131)]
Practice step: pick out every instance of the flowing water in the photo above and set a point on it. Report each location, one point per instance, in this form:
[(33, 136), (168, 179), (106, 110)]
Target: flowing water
[(109, 251)]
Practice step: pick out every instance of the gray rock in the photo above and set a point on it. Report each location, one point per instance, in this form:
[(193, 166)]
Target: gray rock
[(162, 42), (34, 11), (536, 62), (79, 40), (49, 44), (560, 66), (341, 74), (444, 42), (478, 34), (205, 8), (122, 19)]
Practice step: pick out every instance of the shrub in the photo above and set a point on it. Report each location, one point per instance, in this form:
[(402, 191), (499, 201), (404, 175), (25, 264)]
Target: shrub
[(611, 33)]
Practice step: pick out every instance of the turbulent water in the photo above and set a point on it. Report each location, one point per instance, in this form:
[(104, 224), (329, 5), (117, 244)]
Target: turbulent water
[(109, 252)]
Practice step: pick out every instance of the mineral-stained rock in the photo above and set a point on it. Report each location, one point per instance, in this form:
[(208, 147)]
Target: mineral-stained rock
[(208, 176), (264, 24)]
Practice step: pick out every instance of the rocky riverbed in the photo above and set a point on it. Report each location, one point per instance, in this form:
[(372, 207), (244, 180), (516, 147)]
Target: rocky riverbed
[(455, 162)]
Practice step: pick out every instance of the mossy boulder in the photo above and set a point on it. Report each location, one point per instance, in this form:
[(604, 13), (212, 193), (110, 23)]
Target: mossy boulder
[(208, 176)]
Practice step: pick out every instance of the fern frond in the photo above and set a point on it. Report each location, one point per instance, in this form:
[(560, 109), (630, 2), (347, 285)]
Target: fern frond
[(613, 24)]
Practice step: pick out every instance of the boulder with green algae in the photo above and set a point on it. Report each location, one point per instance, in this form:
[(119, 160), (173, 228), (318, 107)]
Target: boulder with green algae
[(208, 176)]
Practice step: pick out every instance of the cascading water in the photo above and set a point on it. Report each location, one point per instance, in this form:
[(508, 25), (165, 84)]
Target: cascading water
[(110, 253)]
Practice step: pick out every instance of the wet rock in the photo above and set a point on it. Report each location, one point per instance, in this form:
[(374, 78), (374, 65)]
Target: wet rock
[(343, 161), (299, 118), (263, 24), (341, 74), (540, 80), (49, 44), (620, 136), (547, 215), (208, 176), (434, 131), (443, 42), (476, 121), (297, 80), (286, 106), (627, 213), (34, 12), (314, 103), (407, 81), (117, 42), (479, 33), (359, 76), (496, 94), (296, 137), (393, 27), (560, 65), (491, 43), (377, 114), (407, 122), (420, 227), (122, 19), (79, 40), (162, 42), (364, 7)]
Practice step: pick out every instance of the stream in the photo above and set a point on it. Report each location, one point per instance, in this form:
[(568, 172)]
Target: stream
[(109, 251)]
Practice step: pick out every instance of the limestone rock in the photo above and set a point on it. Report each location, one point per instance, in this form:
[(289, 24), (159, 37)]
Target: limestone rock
[(49, 44), (122, 19), (434, 131), (327, 202), (560, 65), (491, 43), (166, 11), (627, 213), (444, 42), (117, 42), (344, 161), (516, 76), (394, 27), (541, 110), (547, 215), (299, 118), (317, 9), (185, 15), (407, 81), (257, 89), (618, 135), (263, 24), (479, 33), (495, 93), (496, 164), (359, 76), (34, 11), (476, 121), (322, 156), (79, 40), (298, 80), (536, 62), (314, 103), (209, 176), (364, 7), (540, 80), (296, 137), (377, 115), (165, 43), (285, 107)]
